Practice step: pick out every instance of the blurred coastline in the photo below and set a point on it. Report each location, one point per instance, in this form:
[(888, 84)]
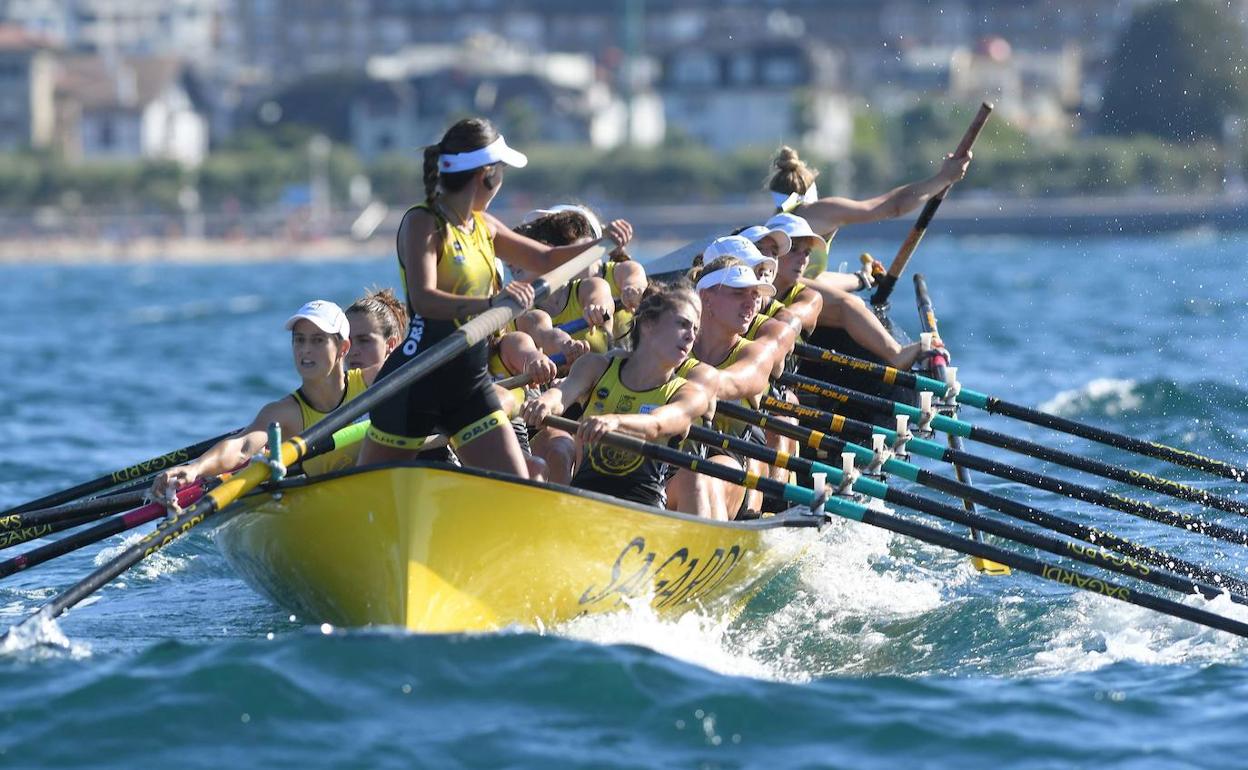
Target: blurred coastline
[(157, 238)]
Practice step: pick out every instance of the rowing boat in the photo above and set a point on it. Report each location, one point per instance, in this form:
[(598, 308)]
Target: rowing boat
[(435, 548)]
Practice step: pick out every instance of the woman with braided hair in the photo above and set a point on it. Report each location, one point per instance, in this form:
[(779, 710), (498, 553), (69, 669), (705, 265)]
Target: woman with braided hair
[(446, 248)]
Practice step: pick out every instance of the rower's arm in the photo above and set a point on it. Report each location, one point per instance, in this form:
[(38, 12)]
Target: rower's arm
[(806, 309), (831, 280), (537, 257), (587, 370), (747, 377), (827, 214), (518, 351), (233, 451), (420, 243), (594, 295), (782, 330), (630, 280)]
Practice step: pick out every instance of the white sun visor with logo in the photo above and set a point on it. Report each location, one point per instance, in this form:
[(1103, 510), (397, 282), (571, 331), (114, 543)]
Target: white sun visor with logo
[(496, 151)]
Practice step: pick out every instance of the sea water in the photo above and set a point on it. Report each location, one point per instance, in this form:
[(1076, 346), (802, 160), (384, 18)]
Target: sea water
[(874, 650)]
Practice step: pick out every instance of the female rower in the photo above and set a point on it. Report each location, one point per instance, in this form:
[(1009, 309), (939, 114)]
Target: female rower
[(836, 307), (320, 342), (638, 392), (781, 323), (827, 215), (378, 321), (446, 249), (625, 278), (731, 295), (587, 298)]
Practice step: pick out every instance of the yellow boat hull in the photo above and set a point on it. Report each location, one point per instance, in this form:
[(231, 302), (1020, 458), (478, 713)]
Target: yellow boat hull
[(439, 549)]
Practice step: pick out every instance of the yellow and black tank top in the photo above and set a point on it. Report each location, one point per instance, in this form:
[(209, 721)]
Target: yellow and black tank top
[(343, 457), (781, 302), (572, 310), (466, 264), (723, 424), (615, 471)]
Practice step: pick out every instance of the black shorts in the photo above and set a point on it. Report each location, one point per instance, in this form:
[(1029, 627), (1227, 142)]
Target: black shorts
[(458, 399)]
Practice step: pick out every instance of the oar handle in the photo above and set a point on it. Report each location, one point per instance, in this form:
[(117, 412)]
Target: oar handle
[(884, 287)]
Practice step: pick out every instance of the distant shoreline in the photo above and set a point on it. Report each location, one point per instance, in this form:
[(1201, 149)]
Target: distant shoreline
[(662, 227)]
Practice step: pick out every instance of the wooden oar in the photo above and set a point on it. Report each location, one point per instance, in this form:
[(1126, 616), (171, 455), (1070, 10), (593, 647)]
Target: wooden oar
[(863, 430), (857, 512), (1097, 556), (295, 448), (927, 322), (835, 446), (994, 405), (149, 467), (939, 422), (884, 286)]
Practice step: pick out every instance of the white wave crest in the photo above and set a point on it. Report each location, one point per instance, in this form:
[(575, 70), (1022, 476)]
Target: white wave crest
[(154, 566), (1113, 396), (1094, 632)]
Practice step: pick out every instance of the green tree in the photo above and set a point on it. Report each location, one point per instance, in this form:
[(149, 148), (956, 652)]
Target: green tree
[(1177, 73)]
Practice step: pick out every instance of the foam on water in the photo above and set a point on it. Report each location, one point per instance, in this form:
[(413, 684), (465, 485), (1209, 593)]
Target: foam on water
[(1106, 395)]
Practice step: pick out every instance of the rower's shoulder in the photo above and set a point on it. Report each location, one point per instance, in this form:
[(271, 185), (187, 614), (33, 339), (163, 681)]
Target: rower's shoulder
[(284, 411)]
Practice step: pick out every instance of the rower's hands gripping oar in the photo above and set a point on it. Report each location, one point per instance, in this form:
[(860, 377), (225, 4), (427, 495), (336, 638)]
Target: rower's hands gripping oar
[(884, 287), (295, 448), (858, 512)]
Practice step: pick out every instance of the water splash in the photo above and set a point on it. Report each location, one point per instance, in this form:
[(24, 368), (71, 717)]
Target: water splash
[(1103, 395)]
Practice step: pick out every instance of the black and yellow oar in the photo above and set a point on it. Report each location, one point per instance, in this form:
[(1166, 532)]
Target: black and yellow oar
[(344, 437), (884, 286), (94, 534), (97, 506), (937, 364), (939, 422), (857, 512), (834, 445), (133, 473), (295, 448), (854, 428), (994, 405), (1097, 556)]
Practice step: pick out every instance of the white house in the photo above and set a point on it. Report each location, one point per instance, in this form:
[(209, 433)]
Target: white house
[(757, 92), (130, 109)]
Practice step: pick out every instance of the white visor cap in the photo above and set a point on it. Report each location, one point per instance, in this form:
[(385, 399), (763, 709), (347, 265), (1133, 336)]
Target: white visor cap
[(795, 227), (759, 232), (740, 247), (594, 225), (736, 277), (327, 317), (496, 151)]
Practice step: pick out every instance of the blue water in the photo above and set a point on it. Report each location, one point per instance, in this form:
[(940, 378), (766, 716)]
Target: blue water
[(873, 651)]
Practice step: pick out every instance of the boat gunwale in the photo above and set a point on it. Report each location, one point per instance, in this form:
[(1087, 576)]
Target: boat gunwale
[(785, 519)]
